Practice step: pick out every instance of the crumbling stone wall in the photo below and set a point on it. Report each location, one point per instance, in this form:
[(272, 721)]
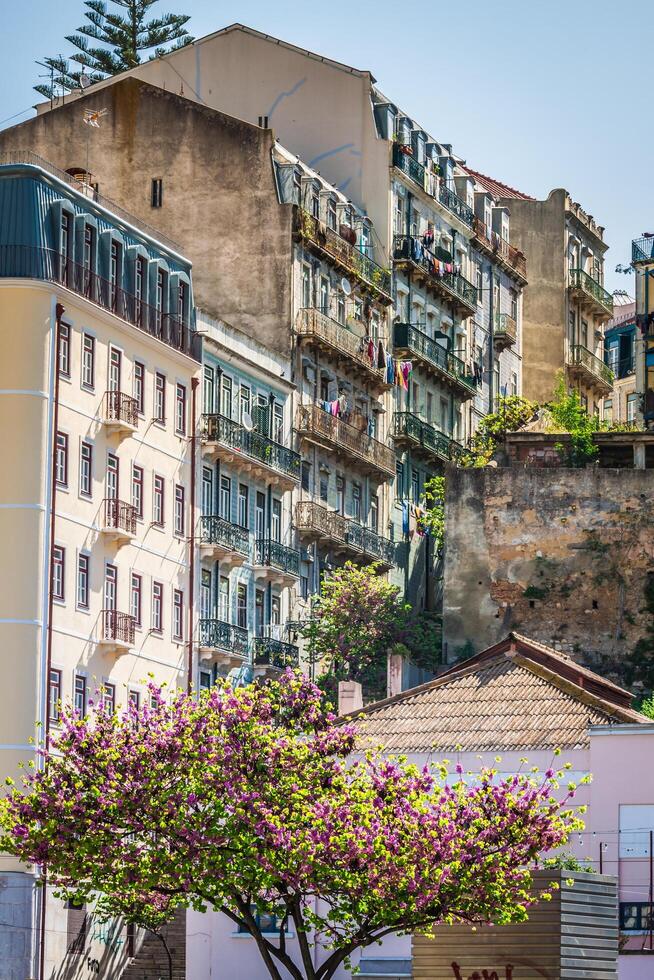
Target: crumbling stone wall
[(564, 556)]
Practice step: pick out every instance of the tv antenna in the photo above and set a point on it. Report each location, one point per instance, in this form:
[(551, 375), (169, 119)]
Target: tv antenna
[(50, 73)]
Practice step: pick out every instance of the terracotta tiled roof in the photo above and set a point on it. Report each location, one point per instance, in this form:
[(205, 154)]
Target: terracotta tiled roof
[(497, 188), (518, 695)]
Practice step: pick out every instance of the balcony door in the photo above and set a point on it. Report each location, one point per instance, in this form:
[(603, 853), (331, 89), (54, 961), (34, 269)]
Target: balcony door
[(112, 476), (259, 617), (276, 521), (223, 598), (226, 498), (205, 594), (260, 516), (110, 583), (115, 366), (242, 606), (207, 491)]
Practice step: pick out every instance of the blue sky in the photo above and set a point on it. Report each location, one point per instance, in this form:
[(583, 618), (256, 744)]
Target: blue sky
[(537, 94)]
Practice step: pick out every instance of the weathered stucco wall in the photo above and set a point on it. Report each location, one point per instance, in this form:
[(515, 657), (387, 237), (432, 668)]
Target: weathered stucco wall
[(219, 197), (564, 556)]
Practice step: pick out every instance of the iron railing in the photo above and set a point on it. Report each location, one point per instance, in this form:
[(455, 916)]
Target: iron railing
[(410, 248), (313, 517), (642, 249), (216, 530), (121, 408), (269, 652), (218, 428), (317, 325), (451, 200), (370, 543), (590, 287), (412, 339), (217, 635), (511, 256), (595, 366), (409, 426), (315, 421), (349, 256), (118, 626), (505, 328), (273, 554), (119, 515), (30, 262)]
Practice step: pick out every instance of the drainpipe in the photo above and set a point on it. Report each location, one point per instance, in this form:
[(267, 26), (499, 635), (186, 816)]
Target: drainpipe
[(645, 345), (491, 339), (191, 539), (59, 312)]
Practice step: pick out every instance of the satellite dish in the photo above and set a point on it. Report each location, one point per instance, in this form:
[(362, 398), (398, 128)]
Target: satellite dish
[(345, 286), (248, 424)]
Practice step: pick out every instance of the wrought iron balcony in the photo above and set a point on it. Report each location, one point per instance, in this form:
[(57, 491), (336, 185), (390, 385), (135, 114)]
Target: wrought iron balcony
[(273, 554), (120, 410), (252, 447), (408, 249), (223, 536), (348, 257), (119, 518), (642, 249), (591, 369), (319, 329), (451, 200), (214, 634), (118, 629), (269, 652), (28, 262), (371, 544), (315, 521), (511, 258), (317, 425), (591, 293), (424, 436), (433, 356), (505, 331)]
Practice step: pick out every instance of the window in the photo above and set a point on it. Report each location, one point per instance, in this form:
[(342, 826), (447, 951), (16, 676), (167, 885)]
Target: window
[(278, 423), (55, 695), (181, 301), (115, 367), (324, 489), (134, 699), (139, 386), (266, 922), (209, 390), (324, 295), (260, 515), (356, 502), (139, 287), (399, 480), (276, 521), (226, 498), (430, 406), (137, 490), (58, 572), (156, 192), (157, 607), (135, 599), (205, 594), (304, 586), (207, 491), (109, 697), (226, 397), (86, 469), (114, 272), (584, 333), (110, 584), (479, 283), (305, 475), (88, 361), (374, 513), (513, 387), (112, 477), (245, 400), (514, 304), (259, 600), (179, 509), (160, 397), (158, 501), (82, 581), (331, 213), (415, 486), (608, 409), (61, 460), (79, 695), (636, 916), (243, 494), (340, 308), (632, 402), (205, 680), (223, 599), (180, 410), (399, 216), (64, 350), (306, 286), (275, 611), (340, 495), (178, 614), (65, 246), (242, 605), (88, 258)]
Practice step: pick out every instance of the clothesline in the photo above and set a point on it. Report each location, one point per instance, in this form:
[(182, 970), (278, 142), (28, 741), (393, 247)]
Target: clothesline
[(396, 372)]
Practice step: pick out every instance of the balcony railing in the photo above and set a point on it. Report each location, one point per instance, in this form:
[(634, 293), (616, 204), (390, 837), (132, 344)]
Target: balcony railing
[(642, 249), (316, 325), (273, 554), (351, 259), (121, 408), (501, 248), (426, 435), (316, 422), (269, 652), (118, 627), (218, 428), (28, 262), (217, 531), (370, 543), (505, 329), (217, 635), (452, 284), (581, 281), (451, 200), (410, 338), (119, 515), (327, 524), (594, 366)]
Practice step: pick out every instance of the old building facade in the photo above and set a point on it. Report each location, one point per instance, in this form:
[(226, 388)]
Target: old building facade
[(621, 405)]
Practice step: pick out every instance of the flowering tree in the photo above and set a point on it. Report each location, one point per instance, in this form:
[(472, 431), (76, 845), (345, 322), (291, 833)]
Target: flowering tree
[(250, 800)]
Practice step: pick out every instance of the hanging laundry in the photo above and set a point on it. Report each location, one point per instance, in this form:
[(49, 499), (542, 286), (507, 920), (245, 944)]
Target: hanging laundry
[(381, 355), (406, 369), (405, 517), (371, 350), (390, 369)]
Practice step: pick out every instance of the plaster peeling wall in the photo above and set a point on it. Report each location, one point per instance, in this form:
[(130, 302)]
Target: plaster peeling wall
[(560, 555)]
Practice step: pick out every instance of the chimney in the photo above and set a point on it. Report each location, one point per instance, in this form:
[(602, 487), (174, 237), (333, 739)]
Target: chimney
[(394, 674), (350, 697)]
